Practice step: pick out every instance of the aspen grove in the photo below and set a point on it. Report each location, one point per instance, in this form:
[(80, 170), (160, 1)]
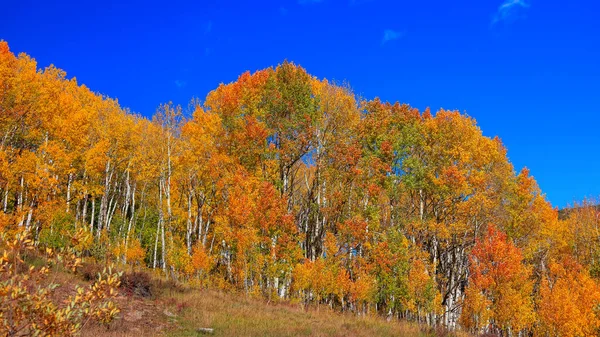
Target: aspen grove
[(292, 188)]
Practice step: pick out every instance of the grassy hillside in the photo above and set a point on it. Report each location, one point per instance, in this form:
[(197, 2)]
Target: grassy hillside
[(148, 305), (172, 310), (233, 315)]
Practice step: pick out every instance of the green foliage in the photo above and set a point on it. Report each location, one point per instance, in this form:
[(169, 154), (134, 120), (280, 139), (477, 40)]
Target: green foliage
[(59, 231)]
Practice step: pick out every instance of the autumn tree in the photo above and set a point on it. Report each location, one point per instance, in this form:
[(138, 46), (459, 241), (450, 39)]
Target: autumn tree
[(569, 300), (498, 296), (287, 186)]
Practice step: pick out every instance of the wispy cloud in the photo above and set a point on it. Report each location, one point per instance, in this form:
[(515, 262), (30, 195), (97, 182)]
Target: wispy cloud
[(180, 83), (309, 2), (390, 35), (509, 10), (283, 11), (208, 27)]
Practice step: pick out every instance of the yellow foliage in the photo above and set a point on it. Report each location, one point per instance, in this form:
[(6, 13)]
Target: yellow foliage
[(135, 253), (27, 304)]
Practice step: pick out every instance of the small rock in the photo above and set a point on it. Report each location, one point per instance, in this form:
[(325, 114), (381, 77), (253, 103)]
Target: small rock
[(169, 314), (207, 331)]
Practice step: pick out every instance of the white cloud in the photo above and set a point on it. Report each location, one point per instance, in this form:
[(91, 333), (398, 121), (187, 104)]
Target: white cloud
[(390, 35), (180, 83), (509, 10)]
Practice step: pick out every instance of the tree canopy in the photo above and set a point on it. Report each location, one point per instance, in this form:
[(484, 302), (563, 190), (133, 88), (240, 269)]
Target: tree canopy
[(290, 187)]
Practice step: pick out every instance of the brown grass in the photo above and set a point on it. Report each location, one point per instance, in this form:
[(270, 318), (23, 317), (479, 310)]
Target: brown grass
[(178, 311), (232, 315)]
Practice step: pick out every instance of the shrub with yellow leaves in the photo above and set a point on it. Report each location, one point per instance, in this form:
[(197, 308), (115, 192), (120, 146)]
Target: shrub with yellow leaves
[(27, 305)]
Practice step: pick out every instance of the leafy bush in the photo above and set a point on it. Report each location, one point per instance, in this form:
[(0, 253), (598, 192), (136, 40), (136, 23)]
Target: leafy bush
[(27, 305), (58, 234)]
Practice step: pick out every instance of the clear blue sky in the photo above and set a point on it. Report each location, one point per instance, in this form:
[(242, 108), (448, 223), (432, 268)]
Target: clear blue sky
[(527, 70)]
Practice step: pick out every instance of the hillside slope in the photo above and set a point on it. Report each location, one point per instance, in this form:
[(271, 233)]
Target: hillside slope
[(177, 311), (232, 315)]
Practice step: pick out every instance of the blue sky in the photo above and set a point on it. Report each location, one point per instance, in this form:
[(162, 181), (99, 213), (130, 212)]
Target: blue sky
[(527, 70)]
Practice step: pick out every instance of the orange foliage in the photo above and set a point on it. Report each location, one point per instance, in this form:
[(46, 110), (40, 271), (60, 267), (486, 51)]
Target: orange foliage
[(568, 302), (289, 186), (498, 295)]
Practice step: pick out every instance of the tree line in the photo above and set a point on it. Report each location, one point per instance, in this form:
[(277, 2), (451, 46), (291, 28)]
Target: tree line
[(290, 187)]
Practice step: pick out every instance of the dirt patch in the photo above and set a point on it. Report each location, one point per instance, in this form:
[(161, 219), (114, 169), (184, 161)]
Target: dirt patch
[(138, 317)]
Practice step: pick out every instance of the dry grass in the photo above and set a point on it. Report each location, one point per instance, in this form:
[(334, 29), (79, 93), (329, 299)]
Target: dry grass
[(179, 312), (231, 315), (174, 310)]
